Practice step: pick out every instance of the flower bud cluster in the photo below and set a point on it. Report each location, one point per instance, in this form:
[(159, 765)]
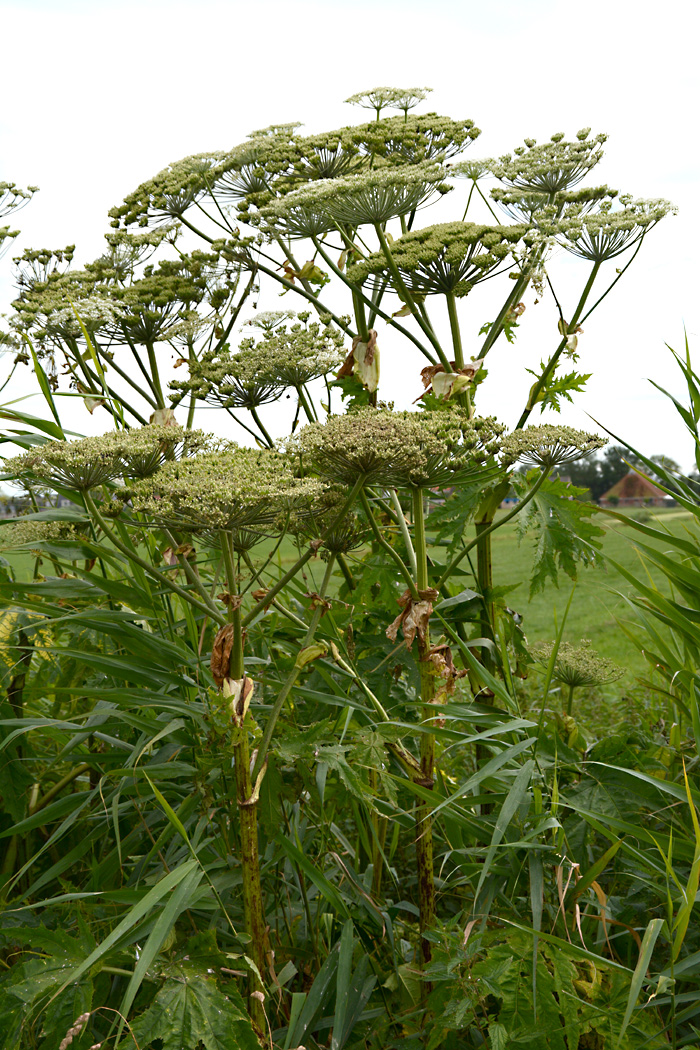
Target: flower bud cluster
[(261, 369), (549, 446), (404, 449), (32, 534), (238, 380), (94, 461), (169, 193), (13, 197), (231, 489), (547, 208), (577, 666), (372, 197), (552, 166), (380, 98), (449, 258), (604, 234)]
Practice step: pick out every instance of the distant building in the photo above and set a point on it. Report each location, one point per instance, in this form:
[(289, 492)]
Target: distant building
[(635, 491)]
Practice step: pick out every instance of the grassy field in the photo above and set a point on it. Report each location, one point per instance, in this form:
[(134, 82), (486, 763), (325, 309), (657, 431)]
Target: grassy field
[(599, 602), (598, 605)]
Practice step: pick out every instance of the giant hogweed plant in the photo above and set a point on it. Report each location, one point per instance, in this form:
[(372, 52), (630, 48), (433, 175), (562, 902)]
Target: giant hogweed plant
[(261, 720)]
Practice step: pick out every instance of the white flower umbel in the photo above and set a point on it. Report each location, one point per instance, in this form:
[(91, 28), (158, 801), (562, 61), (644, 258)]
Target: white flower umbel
[(606, 233), (449, 258), (552, 166), (372, 197), (405, 449), (234, 489), (94, 461), (549, 446)]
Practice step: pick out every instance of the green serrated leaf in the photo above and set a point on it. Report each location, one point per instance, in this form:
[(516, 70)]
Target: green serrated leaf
[(563, 533), (190, 1009)]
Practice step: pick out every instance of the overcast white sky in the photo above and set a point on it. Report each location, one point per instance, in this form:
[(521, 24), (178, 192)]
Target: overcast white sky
[(100, 95)]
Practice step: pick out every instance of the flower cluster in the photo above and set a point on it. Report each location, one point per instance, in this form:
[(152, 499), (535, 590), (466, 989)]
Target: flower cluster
[(260, 370), (606, 233), (231, 489), (231, 380), (418, 139), (541, 209), (474, 170), (577, 666), (404, 449), (34, 534), (169, 193), (275, 162), (297, 354), (93, 313), (268, 320), (380, 98), (552, 166), (94, 461), (372, 197), (549, 446), (107, 298), (449, 257), (13, 197)]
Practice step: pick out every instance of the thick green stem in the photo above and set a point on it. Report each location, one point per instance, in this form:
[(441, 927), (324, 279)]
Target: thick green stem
[(419, 541), (253, 910), (157, 388), (266, 436), (455, 329), (310, 415), (379, 827), (58, 787), (422, 811), (463, 398), (393, 554), (570, 700), (371, 303), (193, 397), (539, 386), (286, 689), (484, 575), (246, 797), (403, 291), (347, 574), (170, 585), (360, 319)]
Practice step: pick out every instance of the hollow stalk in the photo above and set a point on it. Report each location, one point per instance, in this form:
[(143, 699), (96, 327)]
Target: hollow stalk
[(246, 800)]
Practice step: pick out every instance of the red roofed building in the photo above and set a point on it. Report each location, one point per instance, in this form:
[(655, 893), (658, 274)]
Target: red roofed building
[(634, 491)]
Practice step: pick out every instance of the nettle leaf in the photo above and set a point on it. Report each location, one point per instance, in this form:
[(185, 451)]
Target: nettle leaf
[(564, 536), (189, 1009)]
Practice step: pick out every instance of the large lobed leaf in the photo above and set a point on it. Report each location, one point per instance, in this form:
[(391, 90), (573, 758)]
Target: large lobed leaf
[(190, 1009), (564, 535)]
